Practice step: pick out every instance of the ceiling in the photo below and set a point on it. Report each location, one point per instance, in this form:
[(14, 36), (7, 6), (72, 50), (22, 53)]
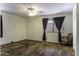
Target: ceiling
[(47, 8)]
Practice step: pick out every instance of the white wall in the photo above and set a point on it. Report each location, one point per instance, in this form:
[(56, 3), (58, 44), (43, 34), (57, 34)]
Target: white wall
[(14, 28), (74, 29), (35, 28), (77, 41), (0, 12)]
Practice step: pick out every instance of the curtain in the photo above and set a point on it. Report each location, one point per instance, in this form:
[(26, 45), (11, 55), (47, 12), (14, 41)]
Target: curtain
[(44, 21), (1, 28), (58, 22)]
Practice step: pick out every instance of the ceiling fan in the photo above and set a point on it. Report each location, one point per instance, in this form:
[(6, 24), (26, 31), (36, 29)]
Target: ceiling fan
[(32, 11)]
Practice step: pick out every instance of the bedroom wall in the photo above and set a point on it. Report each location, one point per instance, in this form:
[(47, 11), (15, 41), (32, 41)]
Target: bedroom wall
[(17, 28), (0, 12), (74, 29), (35, 28), (14, 28), (77, 41)]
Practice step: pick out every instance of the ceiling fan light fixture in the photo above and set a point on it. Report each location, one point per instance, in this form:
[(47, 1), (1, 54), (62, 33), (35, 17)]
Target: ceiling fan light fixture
[(33, 13)]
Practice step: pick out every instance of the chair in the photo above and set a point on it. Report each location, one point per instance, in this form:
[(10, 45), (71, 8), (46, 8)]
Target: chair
[(67, 39)]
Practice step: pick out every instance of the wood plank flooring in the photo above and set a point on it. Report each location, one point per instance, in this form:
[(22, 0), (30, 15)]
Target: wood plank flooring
[(35, 48)]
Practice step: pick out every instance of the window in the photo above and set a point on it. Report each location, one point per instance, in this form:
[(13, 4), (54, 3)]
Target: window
[(51, 27)]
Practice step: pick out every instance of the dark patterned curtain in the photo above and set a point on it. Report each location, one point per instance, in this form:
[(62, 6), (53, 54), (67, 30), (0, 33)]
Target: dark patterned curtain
[(1, 28), (58, 22), (44, 21)]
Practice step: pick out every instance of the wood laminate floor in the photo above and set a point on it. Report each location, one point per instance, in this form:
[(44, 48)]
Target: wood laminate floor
[(35, 48)]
